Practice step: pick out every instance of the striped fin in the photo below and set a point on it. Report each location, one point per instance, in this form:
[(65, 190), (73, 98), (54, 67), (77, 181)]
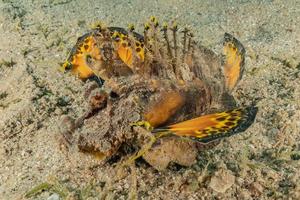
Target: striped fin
[(212, 126), (234, 57), (79, 57), (87, 51), (129, 46), (125, 53)]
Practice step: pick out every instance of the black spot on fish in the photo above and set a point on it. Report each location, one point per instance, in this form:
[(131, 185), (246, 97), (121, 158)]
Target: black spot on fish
[(229, 123), (221, 119)]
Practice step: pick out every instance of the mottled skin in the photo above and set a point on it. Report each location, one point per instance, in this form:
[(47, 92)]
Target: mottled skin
[(116, 114)]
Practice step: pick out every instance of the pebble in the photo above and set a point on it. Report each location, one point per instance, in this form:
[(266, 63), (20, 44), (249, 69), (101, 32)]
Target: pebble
[(256, 189), (54, 196), (222, 181)]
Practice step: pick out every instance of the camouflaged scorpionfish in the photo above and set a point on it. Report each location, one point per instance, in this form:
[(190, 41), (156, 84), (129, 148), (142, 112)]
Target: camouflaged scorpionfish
[(162, 82)]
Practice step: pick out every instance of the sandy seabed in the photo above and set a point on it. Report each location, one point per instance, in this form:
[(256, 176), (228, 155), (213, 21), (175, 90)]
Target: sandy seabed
[(262, 163)]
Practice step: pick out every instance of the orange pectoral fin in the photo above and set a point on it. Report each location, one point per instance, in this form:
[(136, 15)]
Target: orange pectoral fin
[(234, 53), (213, 126), (167, 105), (81, 68), (125, 54), (82, 53)]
